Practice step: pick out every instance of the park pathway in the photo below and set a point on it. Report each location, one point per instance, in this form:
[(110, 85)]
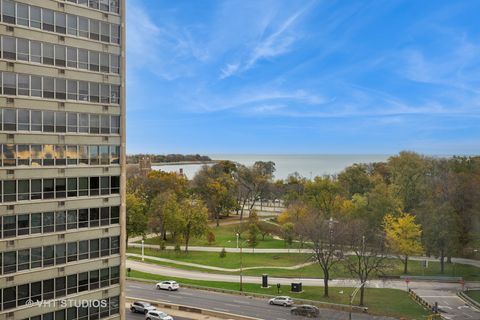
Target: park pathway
[(472, 262), (202, 266)]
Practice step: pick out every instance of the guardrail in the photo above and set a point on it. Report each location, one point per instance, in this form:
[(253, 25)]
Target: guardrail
[(207, 312), (327, 305), (433, 278), (424, 304), (469, 300)]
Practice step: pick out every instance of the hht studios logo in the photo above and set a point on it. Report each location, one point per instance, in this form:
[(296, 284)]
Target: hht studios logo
[(67, 303)]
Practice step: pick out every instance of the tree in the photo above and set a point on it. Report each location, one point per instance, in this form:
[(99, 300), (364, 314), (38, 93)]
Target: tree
[(323, 194), (407, 172), (136, 218), (162, 212), (210, 237), (437, 214), (252, 235), (216, 187), (288, 233), (323, 237), (402, 237), (193, 220), (355, 180), (369, 253), (253, 183)]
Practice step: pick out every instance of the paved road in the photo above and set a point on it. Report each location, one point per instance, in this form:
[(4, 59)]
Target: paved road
[(451, 306), (229, 303), (197, 275), (137, 316), (443, 293)]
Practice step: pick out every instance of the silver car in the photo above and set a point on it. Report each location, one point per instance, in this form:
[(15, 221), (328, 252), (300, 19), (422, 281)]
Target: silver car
[(281, 301), (142, 307), (157, 315)]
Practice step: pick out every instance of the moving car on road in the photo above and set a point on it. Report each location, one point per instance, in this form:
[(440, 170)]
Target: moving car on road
[(142, 307), (157, 315), (168, 285), (281, 301), (305, 310)]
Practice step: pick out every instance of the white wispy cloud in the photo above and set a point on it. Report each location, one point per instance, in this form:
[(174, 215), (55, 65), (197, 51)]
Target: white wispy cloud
[(167, 50), (272, 44)]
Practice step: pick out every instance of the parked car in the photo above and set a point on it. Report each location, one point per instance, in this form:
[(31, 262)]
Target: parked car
[(305, 310), (157, 315), (142, 307), (168, 285), (281, 301)]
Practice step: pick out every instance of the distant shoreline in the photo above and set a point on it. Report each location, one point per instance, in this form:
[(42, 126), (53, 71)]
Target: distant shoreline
[(159, 164)]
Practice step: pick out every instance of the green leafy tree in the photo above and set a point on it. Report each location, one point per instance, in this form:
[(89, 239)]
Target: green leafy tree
[(137, 220), (288, 230), (408, 171), (355, 180), (192, 220), (216, 187), (324, 195), (253, 232)]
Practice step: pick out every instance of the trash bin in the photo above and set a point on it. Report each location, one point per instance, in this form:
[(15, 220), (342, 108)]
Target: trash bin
[(264, 280), (296, 287)]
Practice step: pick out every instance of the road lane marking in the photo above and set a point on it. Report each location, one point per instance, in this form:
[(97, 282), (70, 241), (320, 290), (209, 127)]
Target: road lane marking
[(220, 309)]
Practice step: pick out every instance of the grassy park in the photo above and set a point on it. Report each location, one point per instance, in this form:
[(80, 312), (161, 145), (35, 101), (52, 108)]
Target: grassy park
[(232, 261), (388, 302), (225, 236)]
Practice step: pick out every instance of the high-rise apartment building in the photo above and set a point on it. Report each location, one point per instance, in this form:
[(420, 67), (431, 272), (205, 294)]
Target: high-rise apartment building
[(62, 147)]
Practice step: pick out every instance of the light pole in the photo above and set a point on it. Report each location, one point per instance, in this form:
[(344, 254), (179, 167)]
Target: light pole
[(143, 250), (238, 235), (241, 266), (352, 296), (241, 269)]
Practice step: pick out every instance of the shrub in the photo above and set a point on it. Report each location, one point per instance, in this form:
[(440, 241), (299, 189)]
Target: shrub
[(223, 253), (210, 237)]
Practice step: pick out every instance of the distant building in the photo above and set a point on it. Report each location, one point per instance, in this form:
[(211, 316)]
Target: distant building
[(145, 165), (62, 172)]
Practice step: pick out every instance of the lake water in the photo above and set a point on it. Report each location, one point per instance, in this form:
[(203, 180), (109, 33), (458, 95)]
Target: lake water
[(306, 165)]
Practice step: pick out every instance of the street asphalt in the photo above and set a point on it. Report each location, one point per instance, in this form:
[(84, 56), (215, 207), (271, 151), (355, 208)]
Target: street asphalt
[(444, 293), (241, 305)]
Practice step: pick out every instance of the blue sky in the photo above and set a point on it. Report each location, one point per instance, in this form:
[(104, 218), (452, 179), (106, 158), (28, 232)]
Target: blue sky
[(286, 76)]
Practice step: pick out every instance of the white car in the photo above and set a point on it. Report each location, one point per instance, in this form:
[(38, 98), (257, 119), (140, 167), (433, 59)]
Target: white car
[(168, 285), (157, 315), (281, 301)]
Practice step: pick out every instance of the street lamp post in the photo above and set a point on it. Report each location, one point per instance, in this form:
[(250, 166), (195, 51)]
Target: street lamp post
[(352, 296), (241, 269), (143, 251), (238, 235)]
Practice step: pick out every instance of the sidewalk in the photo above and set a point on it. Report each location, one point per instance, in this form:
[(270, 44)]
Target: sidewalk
[(471, 262)]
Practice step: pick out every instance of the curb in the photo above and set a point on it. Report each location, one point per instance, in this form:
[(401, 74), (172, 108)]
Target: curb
[(325, 305), (468, 300)]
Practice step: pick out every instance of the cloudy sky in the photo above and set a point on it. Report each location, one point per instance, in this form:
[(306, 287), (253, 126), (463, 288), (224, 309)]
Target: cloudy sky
[(286, 76)]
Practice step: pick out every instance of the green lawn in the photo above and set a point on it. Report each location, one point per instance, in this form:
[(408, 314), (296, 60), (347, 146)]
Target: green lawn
[(474, 294), (232, 261), (225, 236), (390, 302)]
